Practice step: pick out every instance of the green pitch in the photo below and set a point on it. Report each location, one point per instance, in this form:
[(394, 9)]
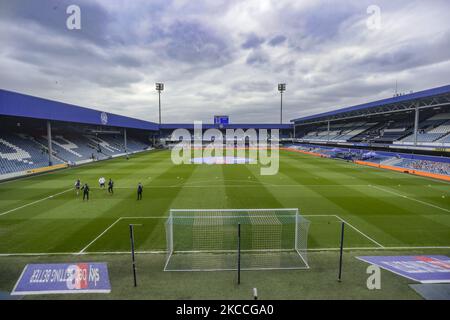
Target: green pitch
[(382, 210)]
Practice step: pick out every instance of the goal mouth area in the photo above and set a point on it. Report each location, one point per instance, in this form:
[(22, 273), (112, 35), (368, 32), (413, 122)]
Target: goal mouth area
[(223, 239), (225, 260)]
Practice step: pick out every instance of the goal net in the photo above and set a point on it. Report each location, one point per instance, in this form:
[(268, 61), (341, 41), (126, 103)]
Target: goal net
[(207, 240)]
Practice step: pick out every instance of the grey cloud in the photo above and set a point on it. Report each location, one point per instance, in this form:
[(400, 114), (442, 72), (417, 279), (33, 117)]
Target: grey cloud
[(191, 43), (51, 15), (320, 23), (257, 58), (80, 62), (277, 40), (433, 50), (127, 61), (253, 41), (117, 78), (253, 86), (287, 67)]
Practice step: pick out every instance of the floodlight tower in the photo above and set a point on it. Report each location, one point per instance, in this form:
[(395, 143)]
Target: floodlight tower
[(281, 88), (159, 88)]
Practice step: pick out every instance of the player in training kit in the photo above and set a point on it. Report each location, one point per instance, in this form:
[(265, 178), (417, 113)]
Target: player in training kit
[(101, 182), (139, 191), (85, 192), (111, 186), (78, 186)]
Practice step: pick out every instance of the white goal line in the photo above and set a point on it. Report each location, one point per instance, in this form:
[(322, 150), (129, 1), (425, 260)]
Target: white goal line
[(231, 210), (236, 216), (234, 251), (394, 248)]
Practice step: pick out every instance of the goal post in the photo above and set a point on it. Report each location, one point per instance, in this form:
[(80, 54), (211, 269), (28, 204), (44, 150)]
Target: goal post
[(207, 239)]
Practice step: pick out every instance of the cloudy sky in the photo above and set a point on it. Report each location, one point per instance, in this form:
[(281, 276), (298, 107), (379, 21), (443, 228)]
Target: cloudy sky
[(223, 56)]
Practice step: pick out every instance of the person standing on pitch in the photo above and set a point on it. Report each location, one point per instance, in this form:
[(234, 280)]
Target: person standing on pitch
[(111, 186), (78, 186), (139, 191), (101, 182), (85, 192)]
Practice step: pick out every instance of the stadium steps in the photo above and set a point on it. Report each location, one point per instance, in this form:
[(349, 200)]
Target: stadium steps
[(391, 161), (367, 134), (43, 146), (444, 139)]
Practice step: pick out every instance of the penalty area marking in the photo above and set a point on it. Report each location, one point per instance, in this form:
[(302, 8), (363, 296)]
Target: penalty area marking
[(406, 197), (112, 225), (82, 251), (98, 237), (359, 231)]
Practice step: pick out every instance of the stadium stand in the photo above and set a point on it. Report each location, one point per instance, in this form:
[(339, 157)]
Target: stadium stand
[(424, 115), (394, 131), (19, 152), (430, 130), (78, 135), (69, 148), (432, 164), (425, 165), (338, 132), (407, 133), (434, 130), (23, 151)]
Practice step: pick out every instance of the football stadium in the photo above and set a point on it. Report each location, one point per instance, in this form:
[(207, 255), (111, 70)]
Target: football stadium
[(348, 202)]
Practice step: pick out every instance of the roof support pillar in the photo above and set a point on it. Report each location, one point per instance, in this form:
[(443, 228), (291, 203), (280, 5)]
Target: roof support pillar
[(328, 131), (416, 124), (125, 140), (49, 139)]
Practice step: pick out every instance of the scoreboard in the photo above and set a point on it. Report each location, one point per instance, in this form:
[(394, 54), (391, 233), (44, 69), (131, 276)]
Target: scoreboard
[(221, 120)]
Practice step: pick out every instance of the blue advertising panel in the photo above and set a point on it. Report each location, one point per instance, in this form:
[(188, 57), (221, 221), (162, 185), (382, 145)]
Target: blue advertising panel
[(423, 269), (83, 277)]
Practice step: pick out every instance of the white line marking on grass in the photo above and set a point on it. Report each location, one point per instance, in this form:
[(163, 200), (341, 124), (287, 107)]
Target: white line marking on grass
[(406, 197), (38, 254), (360, 232), (317, 215), (377, 248), (161, 217), (101, 234), (259, 185), (126, 252), (82, 251), (165, 217), (34, 202)]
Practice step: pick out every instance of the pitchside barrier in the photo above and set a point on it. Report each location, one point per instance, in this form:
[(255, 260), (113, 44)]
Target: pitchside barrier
[(405, 170), (381, 166), (209, 239)]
